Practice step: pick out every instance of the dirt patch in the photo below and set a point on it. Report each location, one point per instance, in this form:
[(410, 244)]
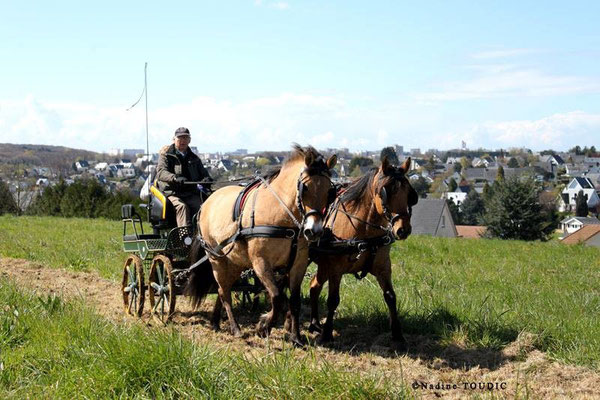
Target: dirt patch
[(517, 371)]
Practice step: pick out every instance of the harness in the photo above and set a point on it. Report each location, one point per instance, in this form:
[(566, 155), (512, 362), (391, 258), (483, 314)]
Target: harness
[(332, 245), (264, 231)]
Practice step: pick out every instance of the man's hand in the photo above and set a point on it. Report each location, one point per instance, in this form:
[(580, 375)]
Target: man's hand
[(181, 179)]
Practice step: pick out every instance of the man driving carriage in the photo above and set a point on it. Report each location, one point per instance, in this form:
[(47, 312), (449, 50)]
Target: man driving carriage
[(177, 164)]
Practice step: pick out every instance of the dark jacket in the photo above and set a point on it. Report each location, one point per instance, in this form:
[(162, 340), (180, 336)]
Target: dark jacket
[(171, 165)]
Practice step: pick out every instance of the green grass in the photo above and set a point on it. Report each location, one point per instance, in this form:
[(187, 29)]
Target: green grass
[(480, 293), (485, 292), (78, 244), (57, 350)]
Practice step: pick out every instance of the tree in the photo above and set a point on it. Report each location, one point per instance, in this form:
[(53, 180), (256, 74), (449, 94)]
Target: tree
[(421, 186), (513, 163), (457, 168), (452, 185), (500, 174), (455, 212), (360, 162), (515, 212), (487, 192), (465, 163), (7, 201), (472, 208), (391, 155), (581, 207)]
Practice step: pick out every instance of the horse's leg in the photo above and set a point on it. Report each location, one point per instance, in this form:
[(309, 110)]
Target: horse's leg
[(225, 277), (385, 282), (333, 300), (216, 315), (295, 281), (266, 276), (316, 285)]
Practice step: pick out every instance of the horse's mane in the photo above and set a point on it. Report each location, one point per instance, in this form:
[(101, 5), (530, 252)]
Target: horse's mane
[(299, 153), (358, 189)]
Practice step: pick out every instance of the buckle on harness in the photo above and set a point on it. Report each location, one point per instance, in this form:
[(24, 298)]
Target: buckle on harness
[(362, 247), (290, 234)]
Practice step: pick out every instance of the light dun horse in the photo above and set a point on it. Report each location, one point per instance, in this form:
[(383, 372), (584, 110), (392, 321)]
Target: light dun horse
[(364, 221), (284, 211)]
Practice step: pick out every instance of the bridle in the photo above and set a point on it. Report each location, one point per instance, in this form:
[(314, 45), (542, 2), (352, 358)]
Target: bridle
[(302, 187)]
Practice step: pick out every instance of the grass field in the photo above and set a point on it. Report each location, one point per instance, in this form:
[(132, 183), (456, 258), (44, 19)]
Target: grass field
[(51, 349), (479, 293)]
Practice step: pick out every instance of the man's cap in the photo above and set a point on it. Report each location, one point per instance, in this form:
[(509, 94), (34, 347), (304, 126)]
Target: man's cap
[(182, 132)]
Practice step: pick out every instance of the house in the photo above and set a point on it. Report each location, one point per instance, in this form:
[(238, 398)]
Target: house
[(432, 217), (126, 173), (470, 231), (459, 195), (101, 166), (589, 235), (81, 166), (573, 224), (568, 196)]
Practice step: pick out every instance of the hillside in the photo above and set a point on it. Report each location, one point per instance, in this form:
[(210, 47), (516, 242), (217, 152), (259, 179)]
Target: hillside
[(58, 158)]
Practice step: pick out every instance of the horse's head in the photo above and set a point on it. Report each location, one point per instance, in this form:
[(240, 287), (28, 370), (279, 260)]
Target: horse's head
[(394, 197), (315, 192)]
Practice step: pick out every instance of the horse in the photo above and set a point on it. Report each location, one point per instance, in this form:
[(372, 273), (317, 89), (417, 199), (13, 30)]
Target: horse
[(281, 214), (362, 224)]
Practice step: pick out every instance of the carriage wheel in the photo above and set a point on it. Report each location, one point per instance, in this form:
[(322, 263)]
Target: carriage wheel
[(161, 288), (132, 286)]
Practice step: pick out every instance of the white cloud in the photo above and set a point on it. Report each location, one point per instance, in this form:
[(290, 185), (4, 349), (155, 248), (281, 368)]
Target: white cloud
[(494, 81), (267, 123), (557, 131)]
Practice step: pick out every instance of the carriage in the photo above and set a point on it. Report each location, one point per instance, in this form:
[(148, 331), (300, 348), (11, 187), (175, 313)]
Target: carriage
[(158, 263)]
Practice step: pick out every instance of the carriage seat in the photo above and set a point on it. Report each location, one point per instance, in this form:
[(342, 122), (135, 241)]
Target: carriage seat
[(161, 212)]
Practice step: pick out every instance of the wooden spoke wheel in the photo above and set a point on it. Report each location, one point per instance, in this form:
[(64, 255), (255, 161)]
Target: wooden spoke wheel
[(161, 288), (132, 286)]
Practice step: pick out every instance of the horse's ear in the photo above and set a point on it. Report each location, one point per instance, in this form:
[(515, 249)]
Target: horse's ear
[(406, 165), (309, 158), (385, 165), (331, 161)]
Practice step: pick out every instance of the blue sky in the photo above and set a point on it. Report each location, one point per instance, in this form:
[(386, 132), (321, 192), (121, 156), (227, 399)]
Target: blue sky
[(262, 74)]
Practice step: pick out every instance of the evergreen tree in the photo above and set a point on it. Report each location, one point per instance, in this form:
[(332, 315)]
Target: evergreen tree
[(421, 186), (457, 168), (391, 155), (500, 174), (513, 163), (455, 212), (452, 185), (8, 205), (515, 212), (473, 208), (360, 162), (581, 207), (487, 192)]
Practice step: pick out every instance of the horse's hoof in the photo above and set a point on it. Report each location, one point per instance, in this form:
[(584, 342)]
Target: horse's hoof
[(315, 328), (298, 341), (262, 329), (237, 333), (325, 338), (399, 344), (215, 327)]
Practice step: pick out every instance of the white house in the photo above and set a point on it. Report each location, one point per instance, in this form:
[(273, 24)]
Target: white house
[(101, 166), (568, 196), (126, 173), (573, 224)]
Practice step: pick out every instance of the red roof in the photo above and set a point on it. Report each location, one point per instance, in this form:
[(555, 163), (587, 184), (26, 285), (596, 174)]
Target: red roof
[(582, 235), (470, 231)]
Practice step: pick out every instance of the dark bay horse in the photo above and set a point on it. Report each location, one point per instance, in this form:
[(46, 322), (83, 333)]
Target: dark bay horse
[(364, 221), (280, 215)]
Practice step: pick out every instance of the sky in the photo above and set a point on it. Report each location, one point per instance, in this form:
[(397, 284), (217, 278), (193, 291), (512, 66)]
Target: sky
[(261, 74)]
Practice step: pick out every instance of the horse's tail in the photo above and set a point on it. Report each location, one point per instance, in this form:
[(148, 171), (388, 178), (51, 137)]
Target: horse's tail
[(201, 280)]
